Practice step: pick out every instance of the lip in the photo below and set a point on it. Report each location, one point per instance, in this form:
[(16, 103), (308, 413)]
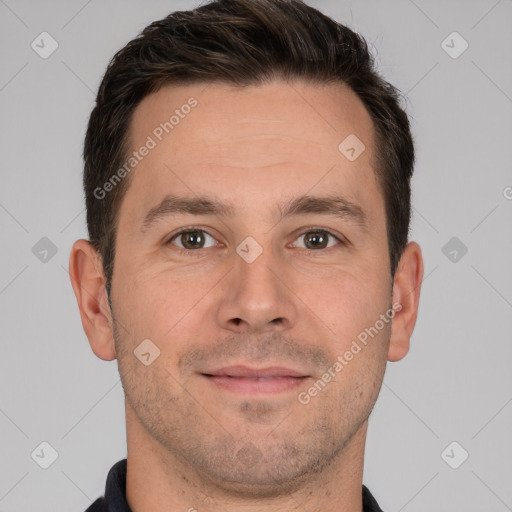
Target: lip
[(245, 371), (256, 381)]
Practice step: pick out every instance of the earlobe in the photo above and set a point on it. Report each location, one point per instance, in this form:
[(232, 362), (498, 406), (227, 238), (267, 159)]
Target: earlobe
[(88, 282), (406, 294)]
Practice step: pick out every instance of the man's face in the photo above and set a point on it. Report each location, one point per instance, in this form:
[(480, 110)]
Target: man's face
[(252, 289)]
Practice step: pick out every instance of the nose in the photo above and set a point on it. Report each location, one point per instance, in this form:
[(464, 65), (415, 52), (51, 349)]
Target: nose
[(256, 296)]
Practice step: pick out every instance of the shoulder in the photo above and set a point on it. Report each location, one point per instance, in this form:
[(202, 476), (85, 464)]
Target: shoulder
[(100, 505), (369, 502)]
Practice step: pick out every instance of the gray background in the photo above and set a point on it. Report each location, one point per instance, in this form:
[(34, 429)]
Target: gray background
[(454, 385)]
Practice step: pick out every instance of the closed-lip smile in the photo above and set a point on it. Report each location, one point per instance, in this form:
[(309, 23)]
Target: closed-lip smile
[(256, 381)]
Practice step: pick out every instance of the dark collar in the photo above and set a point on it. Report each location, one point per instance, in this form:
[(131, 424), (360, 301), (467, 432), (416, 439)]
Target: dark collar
[(115, 493)]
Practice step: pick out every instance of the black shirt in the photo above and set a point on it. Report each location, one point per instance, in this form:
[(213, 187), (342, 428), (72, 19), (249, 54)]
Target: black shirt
[(115, 493)]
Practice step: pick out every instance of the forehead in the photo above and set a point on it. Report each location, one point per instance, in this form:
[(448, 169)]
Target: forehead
[(270, 141), (319, 113)]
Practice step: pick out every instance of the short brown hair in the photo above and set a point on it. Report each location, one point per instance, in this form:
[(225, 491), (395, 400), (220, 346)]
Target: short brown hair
[(242, 42)]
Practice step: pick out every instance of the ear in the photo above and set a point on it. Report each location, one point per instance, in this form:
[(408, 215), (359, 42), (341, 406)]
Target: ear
[(88, 281), (406, 293)]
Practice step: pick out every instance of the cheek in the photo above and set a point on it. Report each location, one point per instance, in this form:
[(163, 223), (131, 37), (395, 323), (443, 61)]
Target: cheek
[(165, 306), (345, 300)]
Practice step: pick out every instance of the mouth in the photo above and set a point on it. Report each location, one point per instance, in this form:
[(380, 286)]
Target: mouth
[(252, 381)]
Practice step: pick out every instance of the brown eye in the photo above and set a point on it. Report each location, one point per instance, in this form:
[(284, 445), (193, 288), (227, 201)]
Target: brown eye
[(191, 239), (314, 240), (317, 239)]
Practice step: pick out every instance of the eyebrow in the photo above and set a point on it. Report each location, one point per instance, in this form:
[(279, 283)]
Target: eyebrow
[(333, 205)]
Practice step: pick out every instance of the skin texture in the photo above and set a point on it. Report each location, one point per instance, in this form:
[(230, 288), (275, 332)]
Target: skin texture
[(192, 444)]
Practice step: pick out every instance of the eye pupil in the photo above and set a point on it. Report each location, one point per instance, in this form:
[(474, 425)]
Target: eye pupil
[(190, 239), (317, 238)]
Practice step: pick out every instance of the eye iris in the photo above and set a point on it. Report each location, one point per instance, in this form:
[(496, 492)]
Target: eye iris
[(191, 238), (317, 237)]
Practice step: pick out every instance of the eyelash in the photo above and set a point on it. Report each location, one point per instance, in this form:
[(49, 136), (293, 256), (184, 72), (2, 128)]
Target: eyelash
[(307, 230)]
